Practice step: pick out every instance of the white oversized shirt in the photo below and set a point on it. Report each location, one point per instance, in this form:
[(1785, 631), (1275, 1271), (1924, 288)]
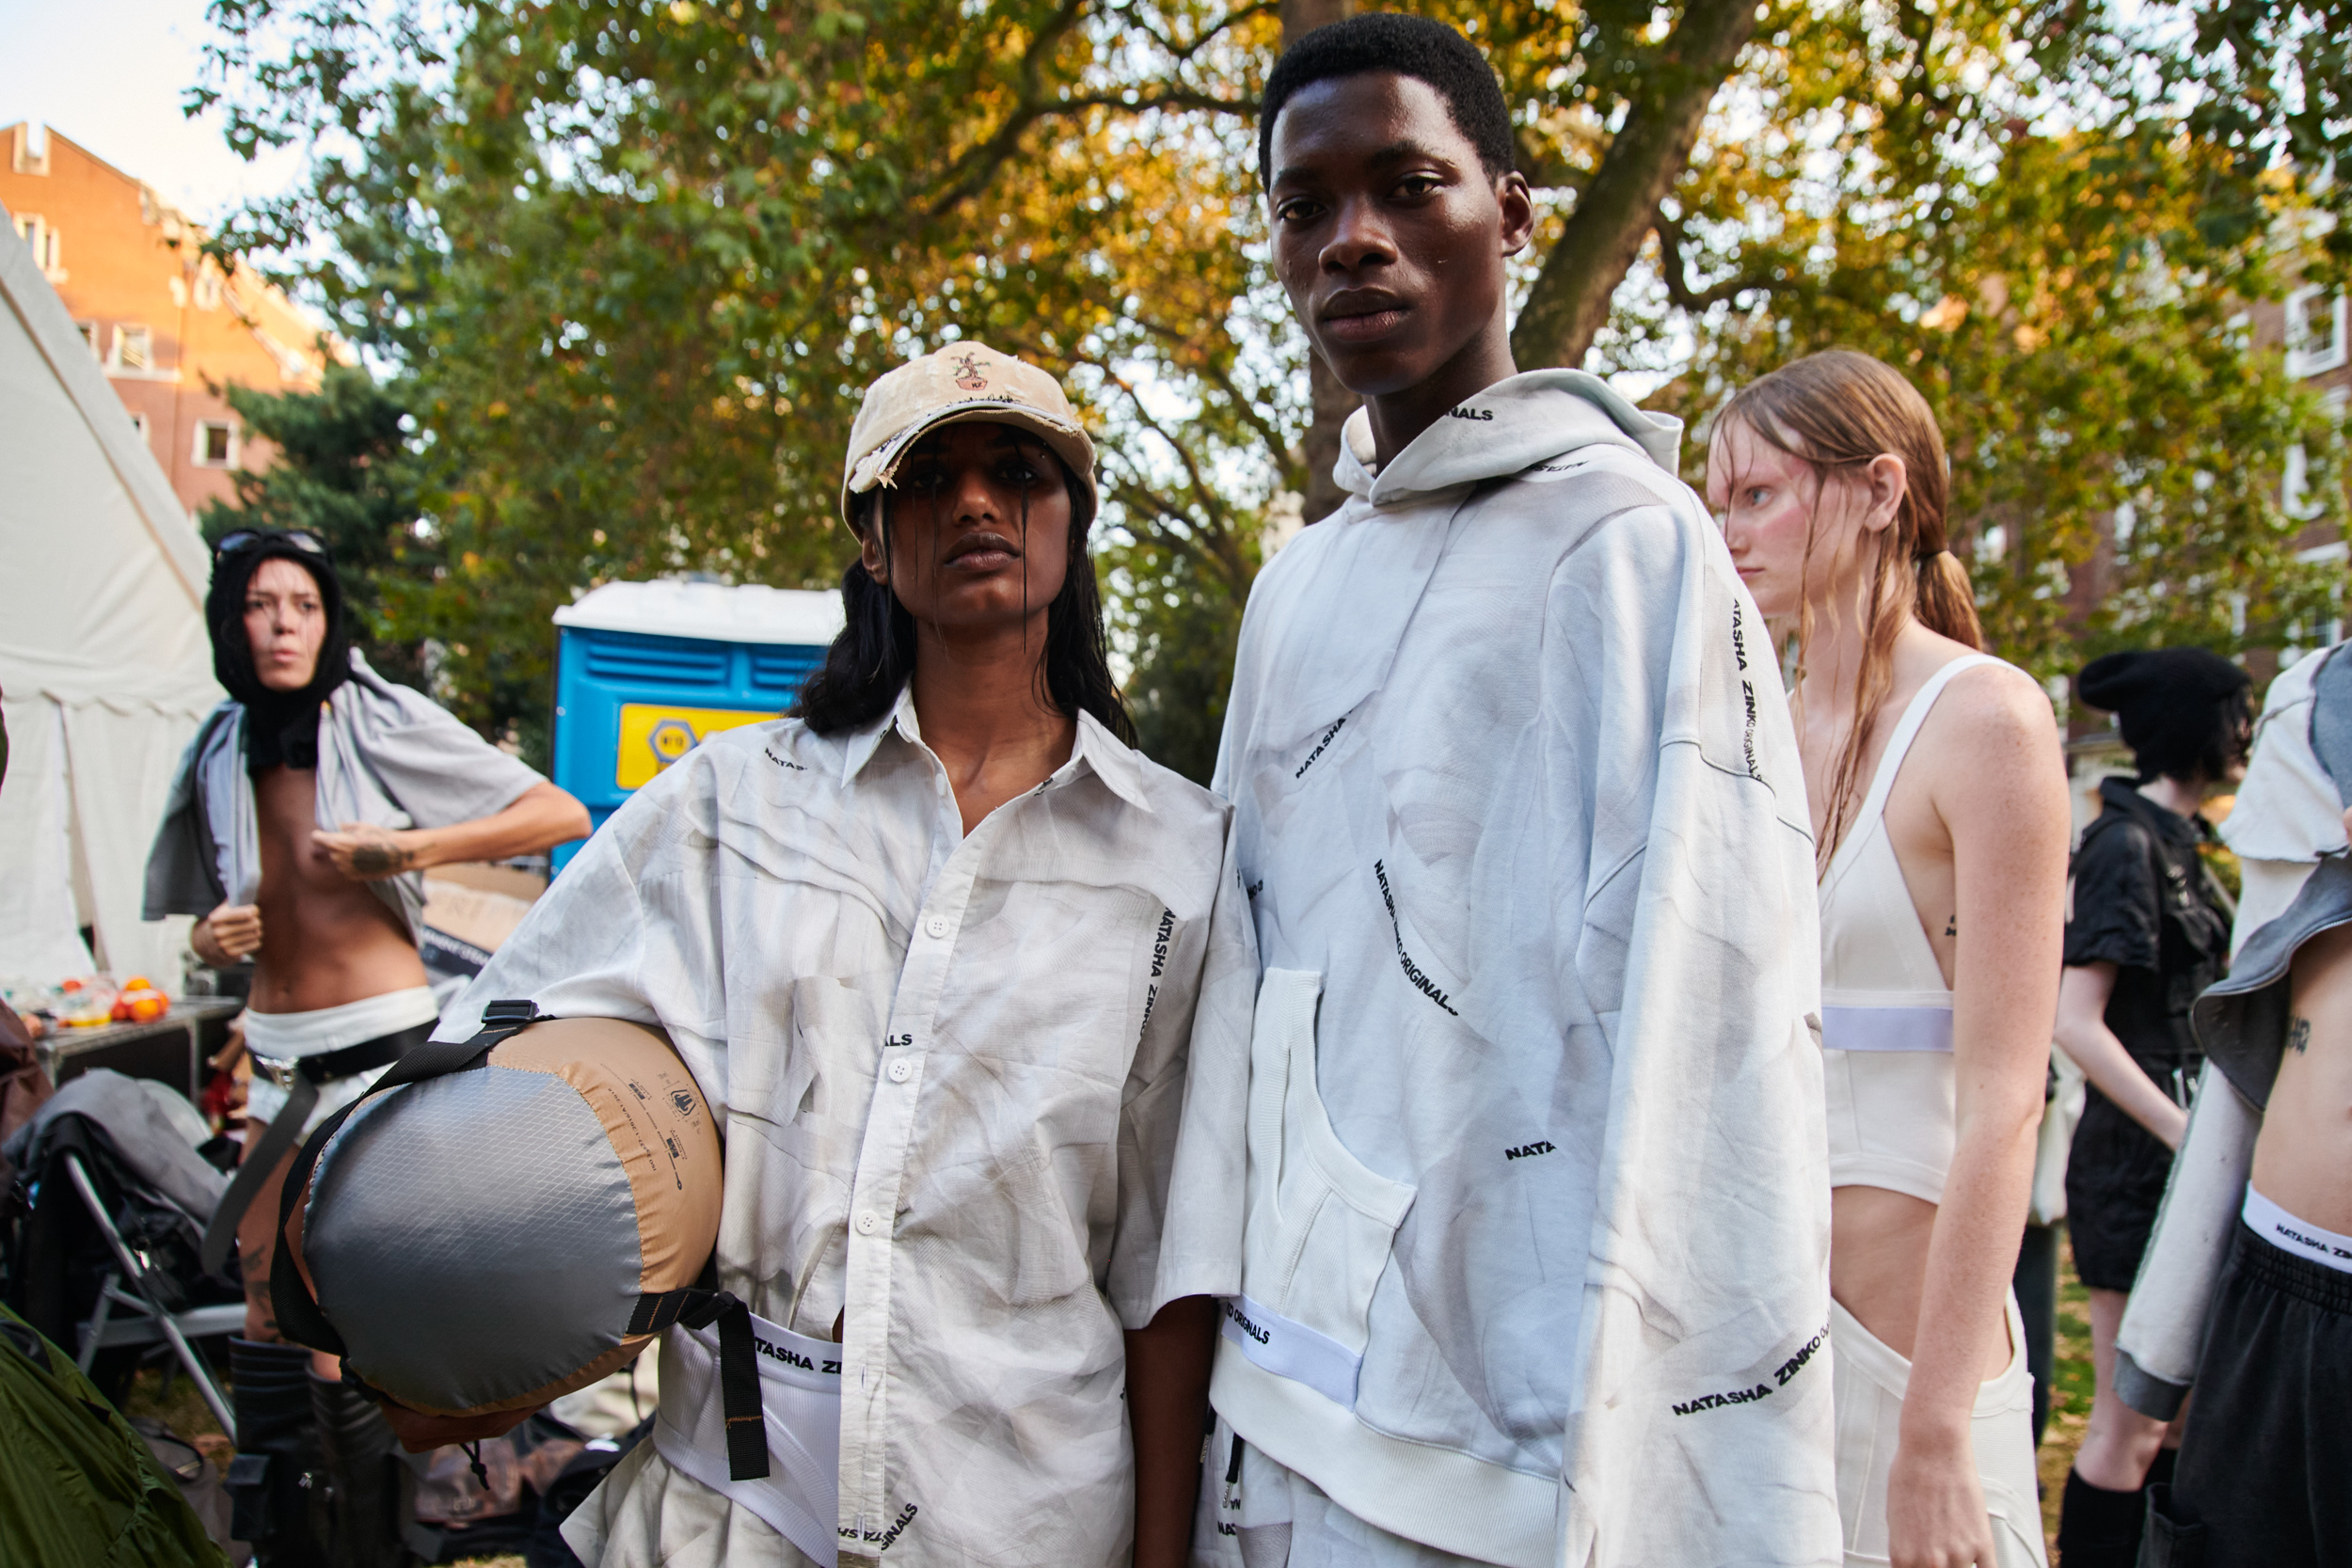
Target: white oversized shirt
[(983, 1098), (1538, 1158)]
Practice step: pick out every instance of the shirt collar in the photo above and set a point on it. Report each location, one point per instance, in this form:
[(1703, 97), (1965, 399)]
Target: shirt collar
[(863, 742), (2124, 796), (1112, 761), (1108, 758)]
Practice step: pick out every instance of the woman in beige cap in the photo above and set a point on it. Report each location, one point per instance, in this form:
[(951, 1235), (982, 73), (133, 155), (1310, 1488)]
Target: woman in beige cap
[(973, 982)]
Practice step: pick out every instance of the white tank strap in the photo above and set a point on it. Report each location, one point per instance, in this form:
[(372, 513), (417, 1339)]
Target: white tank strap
[(1906, 730)]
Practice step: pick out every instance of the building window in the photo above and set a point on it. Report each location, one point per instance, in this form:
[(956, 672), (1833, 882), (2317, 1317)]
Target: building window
[(134, 348), (207, 290), (2315, 332), (31, 152), (217, 444), (40, 239)]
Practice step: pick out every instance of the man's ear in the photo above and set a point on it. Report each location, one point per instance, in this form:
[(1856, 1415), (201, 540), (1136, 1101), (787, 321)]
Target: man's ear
[(1519, 212), (869, 550)]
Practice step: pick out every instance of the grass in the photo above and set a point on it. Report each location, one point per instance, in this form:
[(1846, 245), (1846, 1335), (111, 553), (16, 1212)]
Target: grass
[(2069, 1399)]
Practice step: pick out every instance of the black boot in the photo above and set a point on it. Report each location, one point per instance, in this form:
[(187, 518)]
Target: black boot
[(272, 1480), (2099, 1528), (370, 1489)]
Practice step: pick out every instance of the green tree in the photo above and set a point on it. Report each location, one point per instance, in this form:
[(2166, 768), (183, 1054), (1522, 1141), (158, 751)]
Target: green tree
[(635, 261)]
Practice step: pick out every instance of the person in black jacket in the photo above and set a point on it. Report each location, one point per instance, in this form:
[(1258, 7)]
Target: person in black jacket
[(2148, 929)]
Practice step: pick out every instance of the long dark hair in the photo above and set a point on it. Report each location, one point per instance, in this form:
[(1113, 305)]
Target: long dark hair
[(872, 659)]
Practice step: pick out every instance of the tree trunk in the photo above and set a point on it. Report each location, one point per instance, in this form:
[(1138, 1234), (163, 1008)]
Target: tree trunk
[(1618, 206), (1331, 403)]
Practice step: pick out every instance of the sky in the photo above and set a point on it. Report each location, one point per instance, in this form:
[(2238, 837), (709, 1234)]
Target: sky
[(109, 74)]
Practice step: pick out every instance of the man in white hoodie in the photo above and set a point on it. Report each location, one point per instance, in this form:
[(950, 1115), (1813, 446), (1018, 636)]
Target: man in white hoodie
[(1537, 1256)]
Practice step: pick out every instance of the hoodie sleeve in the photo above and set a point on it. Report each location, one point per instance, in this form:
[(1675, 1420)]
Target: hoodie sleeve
[(1706, 1376), (181, 876)]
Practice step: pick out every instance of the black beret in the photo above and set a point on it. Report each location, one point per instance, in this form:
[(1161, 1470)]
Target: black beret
[(2163, 698)]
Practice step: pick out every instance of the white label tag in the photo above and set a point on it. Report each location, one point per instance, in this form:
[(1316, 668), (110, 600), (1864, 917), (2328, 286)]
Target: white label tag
[(1290, 1349)]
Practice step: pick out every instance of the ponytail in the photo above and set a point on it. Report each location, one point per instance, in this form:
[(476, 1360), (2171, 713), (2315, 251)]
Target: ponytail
[(1943, 602)]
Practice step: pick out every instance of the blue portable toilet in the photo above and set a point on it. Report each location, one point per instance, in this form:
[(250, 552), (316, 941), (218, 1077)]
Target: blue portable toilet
[(644, 671)]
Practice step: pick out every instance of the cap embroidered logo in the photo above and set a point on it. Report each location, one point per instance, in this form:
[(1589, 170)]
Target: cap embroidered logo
[(968, 374)]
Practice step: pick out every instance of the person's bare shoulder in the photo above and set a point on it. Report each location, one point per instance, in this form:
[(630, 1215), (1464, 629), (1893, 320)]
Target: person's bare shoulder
[(1996, 739)]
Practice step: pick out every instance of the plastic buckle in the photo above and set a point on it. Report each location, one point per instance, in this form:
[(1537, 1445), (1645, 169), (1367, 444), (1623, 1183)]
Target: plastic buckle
[(509, 1011)]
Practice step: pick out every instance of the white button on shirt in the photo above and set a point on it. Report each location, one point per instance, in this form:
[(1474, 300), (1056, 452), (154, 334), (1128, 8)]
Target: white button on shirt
[(989, 1156)]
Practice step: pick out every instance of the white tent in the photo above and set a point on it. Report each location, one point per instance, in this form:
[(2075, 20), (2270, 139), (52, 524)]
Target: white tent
[(105, 666)]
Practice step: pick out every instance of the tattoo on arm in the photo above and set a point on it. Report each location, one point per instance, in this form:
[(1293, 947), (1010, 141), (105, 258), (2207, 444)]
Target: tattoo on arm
[(378, 860), (2299, 1034), (1951, 927)]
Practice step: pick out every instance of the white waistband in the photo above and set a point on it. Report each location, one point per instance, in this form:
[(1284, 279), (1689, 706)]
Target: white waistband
[(315, 1033), (1292, 1350), (2298, 1238), (1886, 1028), (799, 1400)]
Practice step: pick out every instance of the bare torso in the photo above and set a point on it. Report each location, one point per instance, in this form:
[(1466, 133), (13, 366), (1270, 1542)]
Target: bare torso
[(1879, 1239), (327, 940), (2303, 1156)]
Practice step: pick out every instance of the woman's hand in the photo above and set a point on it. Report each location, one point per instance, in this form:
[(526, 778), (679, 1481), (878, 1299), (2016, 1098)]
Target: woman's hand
[(367, 853), (228, 934), (1935, 1516)]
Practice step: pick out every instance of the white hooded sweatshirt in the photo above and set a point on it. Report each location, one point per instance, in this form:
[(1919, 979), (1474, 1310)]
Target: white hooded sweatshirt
[(1536, 1258)]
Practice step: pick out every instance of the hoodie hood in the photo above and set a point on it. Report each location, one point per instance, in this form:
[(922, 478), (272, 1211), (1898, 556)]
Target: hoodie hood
[(1507, 429)]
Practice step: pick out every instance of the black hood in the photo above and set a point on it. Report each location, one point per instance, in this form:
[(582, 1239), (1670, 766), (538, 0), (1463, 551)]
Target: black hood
[(281, 726)]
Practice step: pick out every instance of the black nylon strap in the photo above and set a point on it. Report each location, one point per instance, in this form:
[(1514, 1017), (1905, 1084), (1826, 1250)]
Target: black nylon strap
[(657, 1310), (738, 1378), (299, 1315)]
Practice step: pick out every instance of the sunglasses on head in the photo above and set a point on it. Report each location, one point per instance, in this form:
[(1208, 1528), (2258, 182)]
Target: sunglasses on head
[(244, 539)]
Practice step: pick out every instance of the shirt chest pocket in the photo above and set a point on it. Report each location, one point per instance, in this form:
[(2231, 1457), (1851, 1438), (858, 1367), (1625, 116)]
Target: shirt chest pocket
[(795, 1120)]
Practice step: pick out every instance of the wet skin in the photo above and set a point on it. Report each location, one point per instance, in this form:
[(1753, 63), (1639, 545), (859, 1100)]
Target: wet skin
[(319, 938), (1391, 242), (2304, 1152), (977, 528)]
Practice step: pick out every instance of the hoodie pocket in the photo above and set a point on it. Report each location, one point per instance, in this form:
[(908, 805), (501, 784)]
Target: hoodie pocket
[(1321, 1225)]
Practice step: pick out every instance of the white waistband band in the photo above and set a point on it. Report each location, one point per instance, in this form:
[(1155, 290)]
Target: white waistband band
[(315, 1033), (799, 1401), (1886, 1028), (1292, 1350), (2296, 1237)]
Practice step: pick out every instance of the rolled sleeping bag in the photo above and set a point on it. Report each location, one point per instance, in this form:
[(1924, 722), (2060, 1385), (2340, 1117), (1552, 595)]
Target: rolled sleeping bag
[(516, 1218)]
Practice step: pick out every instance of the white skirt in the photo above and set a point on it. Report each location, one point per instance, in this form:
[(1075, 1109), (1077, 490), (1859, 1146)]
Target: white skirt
[(1869, 1379)]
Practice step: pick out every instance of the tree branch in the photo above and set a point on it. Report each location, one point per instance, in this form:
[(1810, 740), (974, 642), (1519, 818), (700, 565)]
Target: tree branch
[(1618, 206), (971, 172), (1679, 293)]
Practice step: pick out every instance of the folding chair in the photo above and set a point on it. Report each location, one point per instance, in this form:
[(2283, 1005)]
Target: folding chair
[(153, 1322)]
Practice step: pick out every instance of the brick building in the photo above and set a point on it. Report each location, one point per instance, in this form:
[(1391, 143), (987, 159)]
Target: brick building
[(168, 325)]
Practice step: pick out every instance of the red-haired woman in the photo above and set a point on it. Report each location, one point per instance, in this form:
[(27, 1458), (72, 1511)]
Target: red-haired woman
[(1941, 820)]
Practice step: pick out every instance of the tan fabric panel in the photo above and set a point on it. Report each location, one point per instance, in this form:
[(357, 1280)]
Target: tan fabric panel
[(654, 1113)]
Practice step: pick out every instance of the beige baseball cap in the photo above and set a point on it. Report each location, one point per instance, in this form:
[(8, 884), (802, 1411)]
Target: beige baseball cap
[(966, 382)]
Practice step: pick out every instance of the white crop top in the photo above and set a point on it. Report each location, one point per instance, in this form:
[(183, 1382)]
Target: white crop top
[(1887, 1015)]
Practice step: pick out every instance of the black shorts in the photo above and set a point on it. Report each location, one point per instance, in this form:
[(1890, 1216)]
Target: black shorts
[(2264, 1476), (2115, 1176)]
